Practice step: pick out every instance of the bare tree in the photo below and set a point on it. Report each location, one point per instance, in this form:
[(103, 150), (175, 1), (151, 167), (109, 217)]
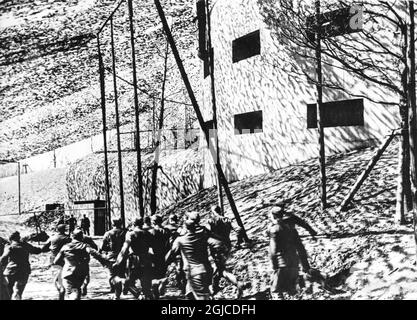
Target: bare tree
[(370, 56), (413, 113)]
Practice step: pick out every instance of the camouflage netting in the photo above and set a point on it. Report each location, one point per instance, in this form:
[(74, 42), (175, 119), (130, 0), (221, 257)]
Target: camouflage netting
[(50, 93), (181, 177)]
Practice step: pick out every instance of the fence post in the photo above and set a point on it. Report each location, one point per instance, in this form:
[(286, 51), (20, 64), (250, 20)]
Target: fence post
[(103, 110), (116, 103), (136, 103), (19, 188)]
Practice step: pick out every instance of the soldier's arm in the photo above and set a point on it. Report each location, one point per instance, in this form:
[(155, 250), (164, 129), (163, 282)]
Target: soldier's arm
[(5, 257), (273, 246), (96, 255), (236, 229), (59, 258), (123, 252), (212, 244), (303, 224), (175, 250), (47, 246), (32, 249), (92, 244), (105, 245)]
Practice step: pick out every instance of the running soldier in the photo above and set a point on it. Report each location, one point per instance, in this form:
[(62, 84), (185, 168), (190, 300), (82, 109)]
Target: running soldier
[(75, 256), (15, 258), (4, 291), (90, 242), (173, 226), (193, 247), (292, 219), (112, 245), (220, 228), (54, 244), (160, 244), (139, 265), (286, 252)]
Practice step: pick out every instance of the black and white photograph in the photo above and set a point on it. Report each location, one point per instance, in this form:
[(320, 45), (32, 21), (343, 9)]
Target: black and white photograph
[(221, 150)]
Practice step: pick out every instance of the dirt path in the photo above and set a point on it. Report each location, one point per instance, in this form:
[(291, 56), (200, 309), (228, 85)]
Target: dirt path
[(40, 286)]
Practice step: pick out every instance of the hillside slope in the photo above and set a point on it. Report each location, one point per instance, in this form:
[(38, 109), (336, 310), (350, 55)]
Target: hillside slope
[(49, 82), (366, 233), (37, 189)]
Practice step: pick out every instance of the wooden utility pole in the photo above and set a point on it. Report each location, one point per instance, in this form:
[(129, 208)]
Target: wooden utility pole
[(136, 103), (413, 115), (19, 192), (103, 111), (320, 128), (367, 171), (159, 135), (119, 148), (199, 115), (213, 101)]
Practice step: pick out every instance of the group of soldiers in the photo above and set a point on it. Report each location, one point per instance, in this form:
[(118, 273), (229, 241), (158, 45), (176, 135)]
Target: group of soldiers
[(143, 253), (72, 223)]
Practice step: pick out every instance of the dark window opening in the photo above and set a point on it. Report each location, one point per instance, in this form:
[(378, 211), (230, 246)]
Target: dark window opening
[(337, 114), (250, 122), (334, 23), (246, 46)]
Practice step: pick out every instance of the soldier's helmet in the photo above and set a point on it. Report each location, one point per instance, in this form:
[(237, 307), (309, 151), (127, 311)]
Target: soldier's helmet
[(192, 218), (77, 234)]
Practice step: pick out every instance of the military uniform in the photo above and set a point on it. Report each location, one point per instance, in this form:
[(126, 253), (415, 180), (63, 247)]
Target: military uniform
[(112, 245), (220, 228), (72, 222), (76, 257), (55, 244), (4, 291), (286, 250), (193, 247), (85, 225), (16, 259), (174, 232), (160, 238), (139, 264)]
